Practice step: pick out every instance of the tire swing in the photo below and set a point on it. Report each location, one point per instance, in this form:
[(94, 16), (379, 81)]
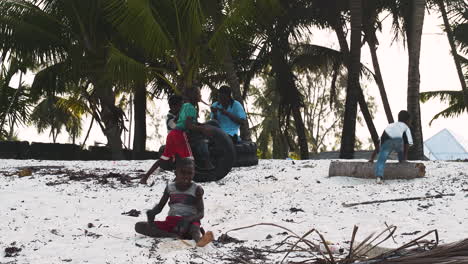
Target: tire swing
[(222, 155), (246, 153)]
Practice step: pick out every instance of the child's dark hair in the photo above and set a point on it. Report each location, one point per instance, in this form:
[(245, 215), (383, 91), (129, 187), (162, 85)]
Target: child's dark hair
[(403, 116), (184, 162), (175, 100)]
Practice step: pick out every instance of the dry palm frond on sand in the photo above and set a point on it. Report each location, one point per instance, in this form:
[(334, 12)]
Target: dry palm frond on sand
[(368, 251)]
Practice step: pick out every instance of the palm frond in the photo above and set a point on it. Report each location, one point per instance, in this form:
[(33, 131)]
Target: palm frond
[(451, 97), (135, 20), (29, 32), (453, 110)]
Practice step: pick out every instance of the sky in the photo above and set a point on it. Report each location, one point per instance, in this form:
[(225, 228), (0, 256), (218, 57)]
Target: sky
[(437, 71)]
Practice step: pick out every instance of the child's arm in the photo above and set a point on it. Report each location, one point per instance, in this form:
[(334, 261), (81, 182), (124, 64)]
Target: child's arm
[(231, 116), (150, 214), (190, 125), (200, 206)]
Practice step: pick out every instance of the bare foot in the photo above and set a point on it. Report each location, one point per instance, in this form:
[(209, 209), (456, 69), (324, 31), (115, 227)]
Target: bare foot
[(205, 239)]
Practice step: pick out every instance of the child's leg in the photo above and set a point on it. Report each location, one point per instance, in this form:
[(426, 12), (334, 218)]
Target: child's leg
[(150, 171), (399, 148), (194, 232), (384, 152), (201, 240), (150, 229), (202, 154)]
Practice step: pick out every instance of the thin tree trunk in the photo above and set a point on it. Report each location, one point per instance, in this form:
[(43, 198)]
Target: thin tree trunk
[(378, 77), (130, 123), (368, 117), (361, 99), (111, 117), (139, 105), (87, 134), (414, 50), (348, 136), (290, 95), (453, 48), (300, 129)]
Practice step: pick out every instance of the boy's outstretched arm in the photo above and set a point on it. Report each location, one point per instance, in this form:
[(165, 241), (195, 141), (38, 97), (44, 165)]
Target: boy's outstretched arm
[(150, 214)]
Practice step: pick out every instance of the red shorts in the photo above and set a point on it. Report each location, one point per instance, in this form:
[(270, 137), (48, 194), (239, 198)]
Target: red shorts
[(176, 143), (170, 223)]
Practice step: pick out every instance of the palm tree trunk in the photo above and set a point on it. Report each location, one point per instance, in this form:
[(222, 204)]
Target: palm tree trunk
[(111, 117), (139, 105), (453, 48), (378, 77), (285, 83), (348, 136), (87, 134), (300, 129), (368, 117), (414, 49), (361, 99)]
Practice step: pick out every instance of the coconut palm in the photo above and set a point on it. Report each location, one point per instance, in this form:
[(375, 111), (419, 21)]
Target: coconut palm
[(414, 33), (459, 13), (15, 103), (71, 40), (51, 114), (371, 24), (352, 92), (453, 98)]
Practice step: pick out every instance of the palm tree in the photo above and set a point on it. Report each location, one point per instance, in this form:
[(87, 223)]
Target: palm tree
[(414, 32), (455, 99), (352, 92), (371, 24), (51, 113), (271, 139), (72, 40), (451, 39), (15, 104)]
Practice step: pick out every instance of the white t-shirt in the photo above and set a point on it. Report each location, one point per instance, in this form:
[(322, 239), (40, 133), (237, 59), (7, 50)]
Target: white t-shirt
[(397, 130)]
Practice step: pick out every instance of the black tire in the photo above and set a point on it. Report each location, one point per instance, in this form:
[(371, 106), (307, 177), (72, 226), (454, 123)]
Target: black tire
[(222, 155), (246, 153)]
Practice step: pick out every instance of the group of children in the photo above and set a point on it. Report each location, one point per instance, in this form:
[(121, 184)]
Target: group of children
[(185, 198)]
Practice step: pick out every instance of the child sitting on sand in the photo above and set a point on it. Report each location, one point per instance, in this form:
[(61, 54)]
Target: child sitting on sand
[(186, 208)]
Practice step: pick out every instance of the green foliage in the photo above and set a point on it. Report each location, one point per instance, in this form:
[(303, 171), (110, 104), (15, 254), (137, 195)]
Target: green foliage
[(453, 98), (15, 103)]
